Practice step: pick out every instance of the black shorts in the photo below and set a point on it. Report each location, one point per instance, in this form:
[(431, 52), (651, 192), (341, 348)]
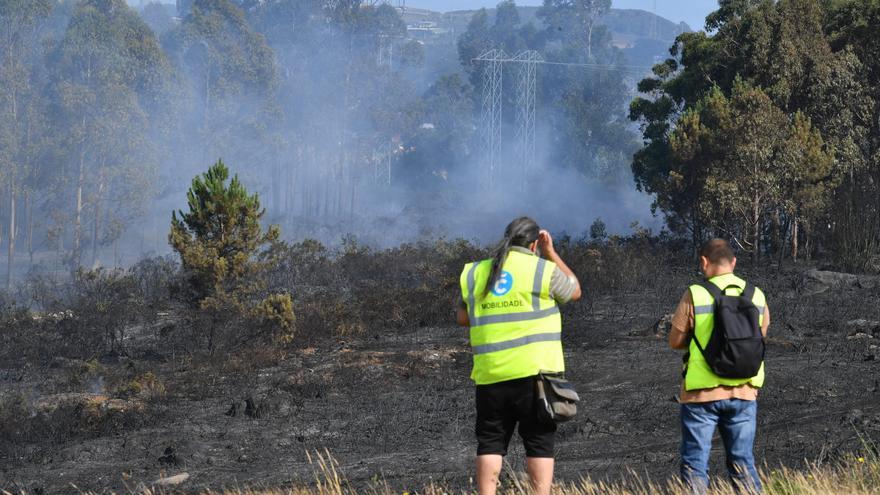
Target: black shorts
[(500, 407)]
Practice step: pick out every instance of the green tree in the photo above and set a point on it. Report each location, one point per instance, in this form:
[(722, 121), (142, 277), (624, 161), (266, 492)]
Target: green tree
[(853, 102), (345, 114), (472, 43), (804, 56), (807, 179), (590, 132), (156, 16), (232, 77), (745, 164), (574, 20), (745, 135), (224, 251), (109, 80), (22, 109)]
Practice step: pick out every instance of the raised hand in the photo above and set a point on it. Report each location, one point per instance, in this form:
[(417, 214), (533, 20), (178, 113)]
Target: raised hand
[(545, 242)]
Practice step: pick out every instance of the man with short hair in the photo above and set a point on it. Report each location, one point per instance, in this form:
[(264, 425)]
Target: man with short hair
[(708, 400)]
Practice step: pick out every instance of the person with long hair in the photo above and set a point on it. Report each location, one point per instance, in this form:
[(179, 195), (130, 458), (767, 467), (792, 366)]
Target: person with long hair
[(510, 302)]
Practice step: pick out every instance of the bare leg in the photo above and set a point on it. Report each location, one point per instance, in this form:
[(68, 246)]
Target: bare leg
[(488, 470), (540, 473)]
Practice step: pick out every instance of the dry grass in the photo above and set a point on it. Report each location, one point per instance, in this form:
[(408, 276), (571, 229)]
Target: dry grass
[(856, 475)]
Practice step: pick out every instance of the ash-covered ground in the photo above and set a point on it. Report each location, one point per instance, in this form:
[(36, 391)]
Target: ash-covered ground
[(394, 404)]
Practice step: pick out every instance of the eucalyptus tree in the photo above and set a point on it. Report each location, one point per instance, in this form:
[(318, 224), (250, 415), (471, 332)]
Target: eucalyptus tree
[(744, 160), (21, 107), (232, 72), (109, 81), (575, 20), (344, 97), (812, 60), (590, 131)]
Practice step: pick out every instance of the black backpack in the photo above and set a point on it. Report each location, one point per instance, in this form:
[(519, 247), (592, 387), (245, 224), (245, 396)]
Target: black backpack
[(736, 346)]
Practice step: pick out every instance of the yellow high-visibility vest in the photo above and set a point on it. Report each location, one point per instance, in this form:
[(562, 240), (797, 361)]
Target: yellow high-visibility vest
[(515, 328), (699, 375)]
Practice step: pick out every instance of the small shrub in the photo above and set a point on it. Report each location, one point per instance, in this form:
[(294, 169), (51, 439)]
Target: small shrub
[(276, 311), (144, 386), (157, 280), (85, 376), (598, 231)]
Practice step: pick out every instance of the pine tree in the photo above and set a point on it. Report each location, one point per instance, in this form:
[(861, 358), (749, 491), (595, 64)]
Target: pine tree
[(222, 245)]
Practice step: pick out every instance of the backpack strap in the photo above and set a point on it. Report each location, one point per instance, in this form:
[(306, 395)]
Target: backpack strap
[(748, 292), (712, 289), (716, 293)]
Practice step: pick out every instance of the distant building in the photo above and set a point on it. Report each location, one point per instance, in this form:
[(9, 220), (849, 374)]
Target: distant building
[(427, 31)]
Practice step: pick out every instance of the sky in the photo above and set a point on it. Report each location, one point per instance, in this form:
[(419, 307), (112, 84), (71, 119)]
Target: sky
[(692, 12)]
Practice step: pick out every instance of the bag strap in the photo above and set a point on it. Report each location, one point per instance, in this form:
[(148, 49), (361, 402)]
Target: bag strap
[(748, 292), (716, 293), (712, 289)]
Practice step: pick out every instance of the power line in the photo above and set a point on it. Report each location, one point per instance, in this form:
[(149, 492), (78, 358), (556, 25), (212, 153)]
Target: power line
[(600, 66), (483, 58)]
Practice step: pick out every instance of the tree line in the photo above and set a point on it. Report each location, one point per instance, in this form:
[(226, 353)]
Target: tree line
[(765, 129), (106, 109)]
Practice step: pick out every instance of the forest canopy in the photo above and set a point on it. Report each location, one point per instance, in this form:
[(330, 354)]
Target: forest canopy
[(345, 117), (337, 113), (766, 130)]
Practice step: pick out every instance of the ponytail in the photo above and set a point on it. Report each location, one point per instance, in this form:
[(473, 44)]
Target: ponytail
[(499, 256), (521, 232)]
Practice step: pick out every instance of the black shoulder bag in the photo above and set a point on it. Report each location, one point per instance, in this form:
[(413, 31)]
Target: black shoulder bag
[(557, 399)]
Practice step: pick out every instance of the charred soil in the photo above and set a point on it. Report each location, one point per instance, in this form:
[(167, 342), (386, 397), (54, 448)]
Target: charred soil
[(393, 403)]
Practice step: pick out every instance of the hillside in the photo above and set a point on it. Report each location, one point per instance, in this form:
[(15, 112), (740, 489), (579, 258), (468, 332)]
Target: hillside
[(642, 36)]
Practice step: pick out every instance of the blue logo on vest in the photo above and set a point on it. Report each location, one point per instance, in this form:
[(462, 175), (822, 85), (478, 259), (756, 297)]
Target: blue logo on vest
[(503, 284)]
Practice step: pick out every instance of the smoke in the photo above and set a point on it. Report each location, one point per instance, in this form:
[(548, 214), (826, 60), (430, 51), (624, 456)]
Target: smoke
[(347, 146), (96, 385)]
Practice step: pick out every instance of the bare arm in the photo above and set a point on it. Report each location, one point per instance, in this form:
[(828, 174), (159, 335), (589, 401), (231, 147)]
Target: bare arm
[(461, 317), (545, 242), (766, 322)]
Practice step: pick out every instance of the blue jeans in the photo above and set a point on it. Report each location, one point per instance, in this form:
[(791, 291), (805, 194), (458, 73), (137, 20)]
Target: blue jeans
[(736, 420)]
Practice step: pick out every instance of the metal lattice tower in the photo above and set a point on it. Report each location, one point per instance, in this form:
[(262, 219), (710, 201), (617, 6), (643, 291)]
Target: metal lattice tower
[(526, 90), (383, 155), (385, 55), (526, 63), (493, 74)]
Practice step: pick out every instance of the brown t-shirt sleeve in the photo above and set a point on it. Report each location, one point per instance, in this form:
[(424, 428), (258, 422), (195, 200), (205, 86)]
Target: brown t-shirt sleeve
[(682, 322)]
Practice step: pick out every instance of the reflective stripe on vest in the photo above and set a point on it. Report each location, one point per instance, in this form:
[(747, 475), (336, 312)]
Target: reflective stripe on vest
[(699, 375), (515, 327)]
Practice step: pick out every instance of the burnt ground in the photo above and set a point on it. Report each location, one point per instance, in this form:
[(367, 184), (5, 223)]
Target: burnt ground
[(396, 406)]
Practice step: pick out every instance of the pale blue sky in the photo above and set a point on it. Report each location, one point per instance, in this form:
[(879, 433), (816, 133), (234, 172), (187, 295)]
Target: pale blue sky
[(692, 12)]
